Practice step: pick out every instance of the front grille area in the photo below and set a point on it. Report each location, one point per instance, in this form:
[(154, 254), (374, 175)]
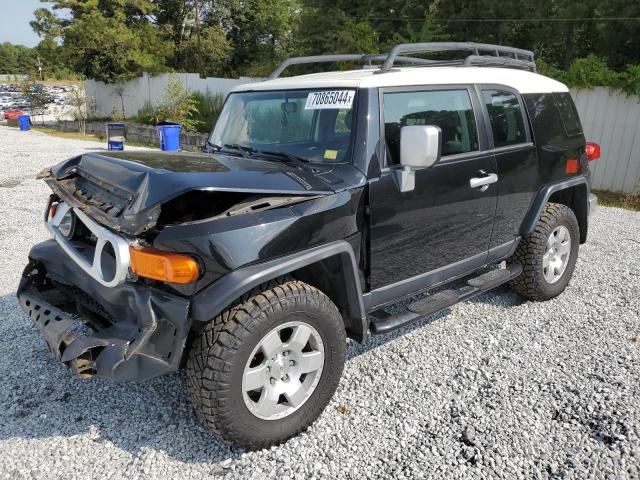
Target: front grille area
[(126, 333), (89, 193)]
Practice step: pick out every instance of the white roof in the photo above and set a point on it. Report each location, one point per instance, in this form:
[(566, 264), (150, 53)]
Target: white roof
[(521, 80)]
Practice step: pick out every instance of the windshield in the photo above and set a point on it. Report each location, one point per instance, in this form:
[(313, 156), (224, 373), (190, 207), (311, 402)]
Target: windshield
[(311, 125)]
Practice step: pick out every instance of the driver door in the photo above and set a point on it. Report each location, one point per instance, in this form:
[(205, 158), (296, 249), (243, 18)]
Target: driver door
[(443, 227)]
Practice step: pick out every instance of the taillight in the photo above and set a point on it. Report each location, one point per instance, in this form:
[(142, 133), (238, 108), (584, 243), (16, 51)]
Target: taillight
[(593, 151), (164, 266)]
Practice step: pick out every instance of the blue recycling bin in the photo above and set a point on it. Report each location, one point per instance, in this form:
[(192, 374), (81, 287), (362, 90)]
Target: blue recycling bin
[(25, 122), (116, 133), (169, 136)]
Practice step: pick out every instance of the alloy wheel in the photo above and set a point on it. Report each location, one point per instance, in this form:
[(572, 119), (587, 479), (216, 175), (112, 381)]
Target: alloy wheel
[(283, 370)]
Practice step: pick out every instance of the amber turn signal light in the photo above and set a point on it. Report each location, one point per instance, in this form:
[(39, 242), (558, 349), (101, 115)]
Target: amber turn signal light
[(52, 210), (164, 266), (573, 165)]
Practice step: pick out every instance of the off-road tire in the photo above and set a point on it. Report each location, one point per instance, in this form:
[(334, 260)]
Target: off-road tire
[(531, 283), (218, 357)]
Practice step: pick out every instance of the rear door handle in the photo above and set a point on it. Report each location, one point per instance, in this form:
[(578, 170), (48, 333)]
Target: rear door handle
[(483, 182)]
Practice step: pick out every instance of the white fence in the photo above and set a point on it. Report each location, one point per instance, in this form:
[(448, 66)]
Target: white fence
[(609, 118), (134, 93), (612, 119)]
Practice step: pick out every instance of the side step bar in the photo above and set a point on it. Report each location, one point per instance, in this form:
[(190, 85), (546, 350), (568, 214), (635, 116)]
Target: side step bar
[(385, 323)]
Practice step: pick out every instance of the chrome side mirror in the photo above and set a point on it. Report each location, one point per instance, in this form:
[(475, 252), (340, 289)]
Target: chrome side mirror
[(420, 147)]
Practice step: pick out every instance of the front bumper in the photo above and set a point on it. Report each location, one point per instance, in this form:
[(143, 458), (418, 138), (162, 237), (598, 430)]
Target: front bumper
[(130, 332)]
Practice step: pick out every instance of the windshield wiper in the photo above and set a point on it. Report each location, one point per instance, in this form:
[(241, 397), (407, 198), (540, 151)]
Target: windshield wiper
[(289, 156), (247, 152), (242, 149), (212, 146)]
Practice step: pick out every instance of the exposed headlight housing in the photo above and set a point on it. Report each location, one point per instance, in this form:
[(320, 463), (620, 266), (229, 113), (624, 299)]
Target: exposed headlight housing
[(67, 225)]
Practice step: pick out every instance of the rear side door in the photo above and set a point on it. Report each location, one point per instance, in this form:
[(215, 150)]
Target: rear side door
[(443, 227), (516, 159)]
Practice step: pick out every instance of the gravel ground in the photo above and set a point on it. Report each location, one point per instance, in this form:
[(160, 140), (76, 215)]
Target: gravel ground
[(493, 388)]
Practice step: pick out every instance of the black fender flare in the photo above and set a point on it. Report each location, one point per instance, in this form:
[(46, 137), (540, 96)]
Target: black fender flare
[(222, 293), (542, 197)]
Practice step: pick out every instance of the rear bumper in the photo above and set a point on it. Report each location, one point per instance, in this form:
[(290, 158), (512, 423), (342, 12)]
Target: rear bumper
[(593, 203), (130, 332)]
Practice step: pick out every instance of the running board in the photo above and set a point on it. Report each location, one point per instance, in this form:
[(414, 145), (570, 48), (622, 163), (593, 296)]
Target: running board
[(385, 323)]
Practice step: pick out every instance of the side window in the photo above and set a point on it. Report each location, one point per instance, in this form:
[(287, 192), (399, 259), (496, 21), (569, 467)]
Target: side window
[(507, 122), (568, 113), (450, 110)]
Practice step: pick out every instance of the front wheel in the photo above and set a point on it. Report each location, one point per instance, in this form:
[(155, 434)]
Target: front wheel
[(548, 256), (263, 370)]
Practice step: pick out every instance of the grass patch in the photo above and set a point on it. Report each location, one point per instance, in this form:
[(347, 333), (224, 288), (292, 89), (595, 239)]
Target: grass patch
[(621, 200), (87, 137), (68, 135)]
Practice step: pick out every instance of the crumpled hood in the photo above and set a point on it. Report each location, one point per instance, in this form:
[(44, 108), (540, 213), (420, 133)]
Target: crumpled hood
[(116, 188)]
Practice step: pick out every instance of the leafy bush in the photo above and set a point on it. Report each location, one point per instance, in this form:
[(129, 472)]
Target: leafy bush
[(177, 105), (592, 71), (550, 70), (630, 79), (147, 115), (207, 111)]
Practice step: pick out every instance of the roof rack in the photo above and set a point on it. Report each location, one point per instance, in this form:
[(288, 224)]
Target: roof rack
[(517, 58), (511, 57), (358, 57)]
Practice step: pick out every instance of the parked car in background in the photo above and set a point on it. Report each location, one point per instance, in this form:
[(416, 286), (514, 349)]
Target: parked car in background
[(13, 113)]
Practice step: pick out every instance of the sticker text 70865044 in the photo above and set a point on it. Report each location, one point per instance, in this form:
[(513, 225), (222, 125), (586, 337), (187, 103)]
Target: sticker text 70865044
[(329, 99)]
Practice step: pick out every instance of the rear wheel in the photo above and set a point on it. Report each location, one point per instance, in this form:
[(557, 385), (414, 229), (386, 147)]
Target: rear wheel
[(548, 256), (263, 370)]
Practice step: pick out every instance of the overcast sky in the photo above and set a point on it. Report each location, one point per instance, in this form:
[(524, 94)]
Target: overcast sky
[(15, 16)]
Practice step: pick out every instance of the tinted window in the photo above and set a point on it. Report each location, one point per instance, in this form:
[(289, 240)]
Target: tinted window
[(545, 118), (568, 113), (507, 123), (448, 109)]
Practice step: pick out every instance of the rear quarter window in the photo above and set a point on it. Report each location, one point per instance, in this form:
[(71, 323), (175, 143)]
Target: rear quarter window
[(545, 118), (568, 113)]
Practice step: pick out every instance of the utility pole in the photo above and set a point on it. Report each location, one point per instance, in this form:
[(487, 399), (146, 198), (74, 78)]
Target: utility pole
[(40, 68), (197, 7)]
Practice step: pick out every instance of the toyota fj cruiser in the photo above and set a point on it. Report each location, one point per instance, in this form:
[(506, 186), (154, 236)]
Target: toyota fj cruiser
[(319, 201)]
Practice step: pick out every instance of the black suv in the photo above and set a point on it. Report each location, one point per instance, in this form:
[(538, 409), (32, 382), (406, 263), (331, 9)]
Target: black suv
[(319, 201)]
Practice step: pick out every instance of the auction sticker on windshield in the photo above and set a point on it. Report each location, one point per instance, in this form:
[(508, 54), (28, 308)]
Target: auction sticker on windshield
[(329, 99)]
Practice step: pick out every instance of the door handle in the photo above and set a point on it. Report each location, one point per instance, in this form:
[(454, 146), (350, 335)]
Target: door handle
[(483, 182)]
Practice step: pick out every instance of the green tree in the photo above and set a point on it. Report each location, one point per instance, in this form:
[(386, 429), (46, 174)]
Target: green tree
[(16, 59), (47, 24), (104, 48), (260, 32), (335, 27), (108, 41), (112, 40), (209, 55), (556, 30), (171, 16), (37, 97)]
